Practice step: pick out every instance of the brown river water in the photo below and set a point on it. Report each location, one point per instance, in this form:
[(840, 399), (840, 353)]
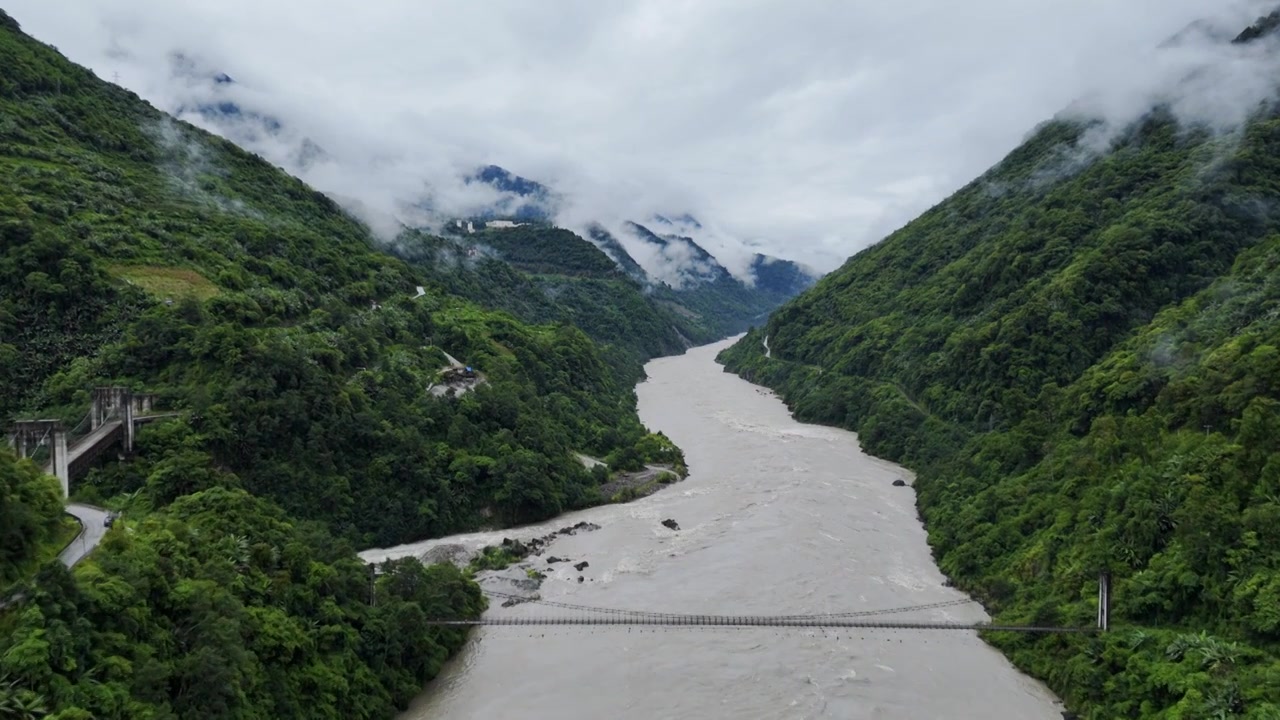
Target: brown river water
[(776, 518)]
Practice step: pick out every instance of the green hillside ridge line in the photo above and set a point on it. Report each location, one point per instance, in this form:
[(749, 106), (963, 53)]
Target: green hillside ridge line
[(1079, 356)]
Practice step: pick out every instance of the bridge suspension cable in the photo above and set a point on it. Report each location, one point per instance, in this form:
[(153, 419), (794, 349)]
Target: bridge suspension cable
[(750, 621), (652, 614), (616, 617), (81, 426)]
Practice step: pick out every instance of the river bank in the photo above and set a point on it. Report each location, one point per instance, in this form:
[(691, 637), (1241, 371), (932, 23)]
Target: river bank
[(775, 517)]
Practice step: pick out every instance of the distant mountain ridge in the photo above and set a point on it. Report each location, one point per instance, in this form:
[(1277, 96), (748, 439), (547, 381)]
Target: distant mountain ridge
[(561, 275), (680, 271)]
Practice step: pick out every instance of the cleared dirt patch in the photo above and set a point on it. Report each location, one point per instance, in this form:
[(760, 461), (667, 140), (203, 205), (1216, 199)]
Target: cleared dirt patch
[(167, 282)]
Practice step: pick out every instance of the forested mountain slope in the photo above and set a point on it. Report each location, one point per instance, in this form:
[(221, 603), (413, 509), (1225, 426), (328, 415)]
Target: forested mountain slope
[(545, 274), (1080, 355), (542, 273), (138, 250), (30, 514)]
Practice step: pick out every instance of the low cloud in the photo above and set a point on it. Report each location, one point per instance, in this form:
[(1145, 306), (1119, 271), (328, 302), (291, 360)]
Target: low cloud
[(676, 263), (807, 129), (188, 169)]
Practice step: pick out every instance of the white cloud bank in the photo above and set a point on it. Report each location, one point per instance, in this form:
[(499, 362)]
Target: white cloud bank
[(806, 129)]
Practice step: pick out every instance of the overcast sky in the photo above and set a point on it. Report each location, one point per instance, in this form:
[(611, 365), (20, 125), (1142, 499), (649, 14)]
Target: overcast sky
[(808, 128)]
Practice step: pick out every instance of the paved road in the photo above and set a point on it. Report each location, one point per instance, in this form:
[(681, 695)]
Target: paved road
[(92, 519), (92, 531)]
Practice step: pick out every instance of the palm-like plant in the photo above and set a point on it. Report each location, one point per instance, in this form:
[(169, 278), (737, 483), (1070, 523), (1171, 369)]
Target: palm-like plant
[(17, 703)]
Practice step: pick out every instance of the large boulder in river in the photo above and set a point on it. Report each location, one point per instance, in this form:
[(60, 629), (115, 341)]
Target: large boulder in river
[(899, 483), (450, 553), (671, 524), (582, 566), (515, 547), (573, 529)]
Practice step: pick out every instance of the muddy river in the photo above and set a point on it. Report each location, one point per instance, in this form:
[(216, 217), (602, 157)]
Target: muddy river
[(777, 518)]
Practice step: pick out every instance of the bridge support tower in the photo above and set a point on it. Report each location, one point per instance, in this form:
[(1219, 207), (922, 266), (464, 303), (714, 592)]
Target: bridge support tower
[(1104, 601), (111, 403), (28, 435)]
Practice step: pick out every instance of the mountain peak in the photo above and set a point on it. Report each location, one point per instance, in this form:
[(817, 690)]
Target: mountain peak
[(684, 219), (532, 200), (1264, 26), (504, 180)]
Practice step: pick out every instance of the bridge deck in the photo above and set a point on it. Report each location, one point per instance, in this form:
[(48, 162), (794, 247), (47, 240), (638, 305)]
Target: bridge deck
[(756, 622), (103, 435), (588, 616), (106, 434)]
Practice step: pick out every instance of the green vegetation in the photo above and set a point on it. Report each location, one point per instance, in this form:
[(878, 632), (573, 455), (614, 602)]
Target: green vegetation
[(541, 249), (655, 448), (220, 607), (609, 307), (1078, 355), (167, 282), (138, 250), (544, 274), (493, 557), (31, 520)]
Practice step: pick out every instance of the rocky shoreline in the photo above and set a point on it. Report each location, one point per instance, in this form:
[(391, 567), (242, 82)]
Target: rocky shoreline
[(510, 570), (634, 485), (514, 569)]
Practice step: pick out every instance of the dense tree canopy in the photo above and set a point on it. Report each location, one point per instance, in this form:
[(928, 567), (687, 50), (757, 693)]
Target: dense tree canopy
[(30, 506), (220, 607)]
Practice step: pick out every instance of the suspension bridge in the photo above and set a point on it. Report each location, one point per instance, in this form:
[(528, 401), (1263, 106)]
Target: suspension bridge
[(113, 418), (589, 616)]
